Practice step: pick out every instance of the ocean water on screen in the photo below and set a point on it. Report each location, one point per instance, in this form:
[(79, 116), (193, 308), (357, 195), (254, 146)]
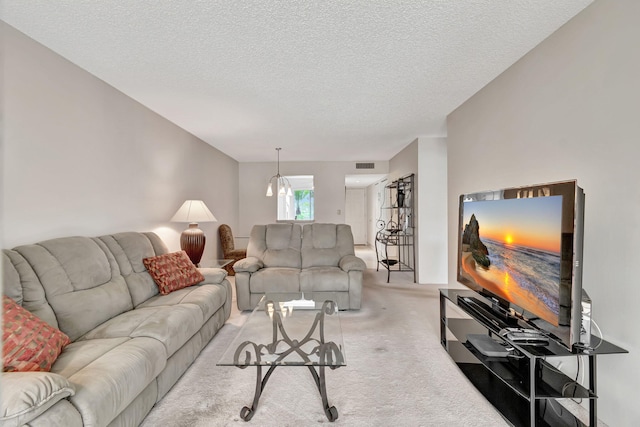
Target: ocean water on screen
[(534, 271)]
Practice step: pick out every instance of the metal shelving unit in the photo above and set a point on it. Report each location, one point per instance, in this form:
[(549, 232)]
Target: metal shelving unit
[(395, 239)]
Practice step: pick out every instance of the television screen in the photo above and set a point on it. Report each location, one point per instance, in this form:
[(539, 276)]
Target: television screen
[(511, 247), (521, 248)]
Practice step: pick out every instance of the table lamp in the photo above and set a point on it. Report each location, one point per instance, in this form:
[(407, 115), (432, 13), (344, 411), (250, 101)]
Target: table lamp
[(192, 239)]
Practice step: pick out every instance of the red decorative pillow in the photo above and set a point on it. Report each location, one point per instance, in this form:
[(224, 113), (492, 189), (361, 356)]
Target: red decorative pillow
[(28, 342), (172, 271)]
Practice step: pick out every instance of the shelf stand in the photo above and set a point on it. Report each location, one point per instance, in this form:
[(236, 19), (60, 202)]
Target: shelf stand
[(524, 384), (395, 238)]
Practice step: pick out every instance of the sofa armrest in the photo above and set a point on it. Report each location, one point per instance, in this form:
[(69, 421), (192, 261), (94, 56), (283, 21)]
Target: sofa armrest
[(213, 275), (352, 263), (26, 395), (248, 265)]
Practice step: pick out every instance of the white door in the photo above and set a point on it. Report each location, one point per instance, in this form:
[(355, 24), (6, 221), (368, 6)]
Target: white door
[(355, 214)]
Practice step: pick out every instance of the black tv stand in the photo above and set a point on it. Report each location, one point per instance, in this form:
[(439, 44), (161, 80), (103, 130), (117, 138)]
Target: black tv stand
[(523, 386)]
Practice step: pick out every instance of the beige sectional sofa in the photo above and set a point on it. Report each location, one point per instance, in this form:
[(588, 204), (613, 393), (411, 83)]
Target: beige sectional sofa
[(129, 343), (290, 258)]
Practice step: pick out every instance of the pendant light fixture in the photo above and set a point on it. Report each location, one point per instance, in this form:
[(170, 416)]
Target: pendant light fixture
[(282, 184)]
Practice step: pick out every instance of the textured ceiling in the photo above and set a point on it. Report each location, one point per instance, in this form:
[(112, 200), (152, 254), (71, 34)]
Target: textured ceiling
[(325, 80)]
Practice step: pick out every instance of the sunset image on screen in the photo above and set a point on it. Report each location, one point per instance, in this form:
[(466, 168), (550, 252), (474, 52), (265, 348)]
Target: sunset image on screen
[(534, 223), (512, 248)]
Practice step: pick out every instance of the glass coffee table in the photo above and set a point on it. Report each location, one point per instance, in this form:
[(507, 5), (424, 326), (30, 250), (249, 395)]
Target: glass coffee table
[(289, 329)]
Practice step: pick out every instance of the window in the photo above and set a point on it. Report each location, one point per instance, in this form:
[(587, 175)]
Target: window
[(297, 204)]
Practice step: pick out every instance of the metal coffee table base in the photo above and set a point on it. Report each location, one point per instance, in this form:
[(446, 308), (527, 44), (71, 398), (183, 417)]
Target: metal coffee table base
[(330, 411), (328, 353)]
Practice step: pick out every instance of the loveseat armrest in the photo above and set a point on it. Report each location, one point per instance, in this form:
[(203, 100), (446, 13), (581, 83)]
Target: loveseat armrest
[(352, 263), (26, 395), (249, 265), (213, 275)]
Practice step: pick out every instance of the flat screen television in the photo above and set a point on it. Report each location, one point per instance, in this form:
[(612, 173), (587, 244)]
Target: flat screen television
[(521, 248)]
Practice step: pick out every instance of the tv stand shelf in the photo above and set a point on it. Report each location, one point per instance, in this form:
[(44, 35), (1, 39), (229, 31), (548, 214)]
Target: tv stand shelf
[(523, 386)]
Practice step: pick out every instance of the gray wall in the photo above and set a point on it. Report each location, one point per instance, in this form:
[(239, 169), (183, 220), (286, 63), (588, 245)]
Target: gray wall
[(432, 214), (569, 109), (426, 157), (81, 158)]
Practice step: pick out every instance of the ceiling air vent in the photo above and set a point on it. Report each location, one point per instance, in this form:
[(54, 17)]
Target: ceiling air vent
[(365, 165)]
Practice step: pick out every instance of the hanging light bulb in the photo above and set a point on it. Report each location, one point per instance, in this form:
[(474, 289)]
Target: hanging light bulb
[(282, 183)]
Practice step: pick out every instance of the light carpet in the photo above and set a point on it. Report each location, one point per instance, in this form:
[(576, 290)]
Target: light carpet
[(397, 373)]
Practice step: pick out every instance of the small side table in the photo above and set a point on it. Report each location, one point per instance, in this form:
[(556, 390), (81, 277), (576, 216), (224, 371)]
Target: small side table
[(221, 263)]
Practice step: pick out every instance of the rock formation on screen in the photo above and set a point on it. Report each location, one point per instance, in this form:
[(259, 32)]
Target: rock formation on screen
[(471, 237)]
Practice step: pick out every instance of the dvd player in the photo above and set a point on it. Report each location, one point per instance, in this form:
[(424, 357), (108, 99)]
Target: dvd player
[(487, 345)]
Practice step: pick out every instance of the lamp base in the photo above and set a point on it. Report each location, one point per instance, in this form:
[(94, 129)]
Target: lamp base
[(192, 241)]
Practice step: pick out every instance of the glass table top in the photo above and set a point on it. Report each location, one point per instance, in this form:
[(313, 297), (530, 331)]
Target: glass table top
[(289, 329), (220, 263)]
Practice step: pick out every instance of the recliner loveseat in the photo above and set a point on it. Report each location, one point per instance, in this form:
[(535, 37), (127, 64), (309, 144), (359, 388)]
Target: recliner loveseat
[(289, 258)]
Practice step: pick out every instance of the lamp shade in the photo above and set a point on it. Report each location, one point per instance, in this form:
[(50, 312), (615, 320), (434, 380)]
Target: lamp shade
[(193, 211)]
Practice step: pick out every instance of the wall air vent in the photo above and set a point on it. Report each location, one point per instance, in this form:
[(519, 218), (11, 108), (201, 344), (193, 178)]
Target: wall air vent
[(365, 165)]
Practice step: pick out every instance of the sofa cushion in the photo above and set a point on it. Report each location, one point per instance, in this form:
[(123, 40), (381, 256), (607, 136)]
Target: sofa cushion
[(275, 279), (208, 297), (278, 236), (325, 244), (323, 236), (26, 395), (320, 257), (28, 343), (324, 279), (276, 245), (110, 361), (107, 380), (129, 249), (170, 325), (20, 282), (80, 354), (81, 280), (137, 246), (11, 285), (172, 271)]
